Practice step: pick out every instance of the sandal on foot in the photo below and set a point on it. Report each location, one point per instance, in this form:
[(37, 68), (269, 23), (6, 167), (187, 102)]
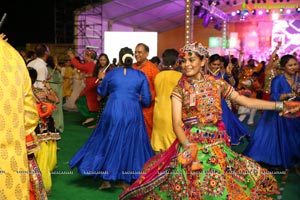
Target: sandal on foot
[(88, 120), (92, 126), (105, 185)]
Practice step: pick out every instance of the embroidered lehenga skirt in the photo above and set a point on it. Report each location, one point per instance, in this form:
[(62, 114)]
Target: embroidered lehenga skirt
[(217, 172)]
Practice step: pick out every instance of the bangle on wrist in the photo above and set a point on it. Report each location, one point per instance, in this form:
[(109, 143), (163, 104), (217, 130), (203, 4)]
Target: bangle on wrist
[(279, 106)]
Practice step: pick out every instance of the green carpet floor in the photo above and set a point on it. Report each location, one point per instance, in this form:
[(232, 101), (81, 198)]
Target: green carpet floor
[(69, 185)]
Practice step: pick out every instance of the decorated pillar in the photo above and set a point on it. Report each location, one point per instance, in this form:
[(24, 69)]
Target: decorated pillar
[(189, 21), (225, 42)]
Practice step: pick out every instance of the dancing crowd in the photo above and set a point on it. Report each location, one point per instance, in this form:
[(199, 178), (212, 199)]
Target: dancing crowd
[(161, 130)]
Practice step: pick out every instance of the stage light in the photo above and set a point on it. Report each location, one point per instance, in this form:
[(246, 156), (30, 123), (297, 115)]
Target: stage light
[(288, 11), (206, 20), (253, 12), (218, 25), (238, 12), (298, 10), (267, 11), (265, 1), (211, 18), (214, 42), (260, 12), (202, 13), (275, 16), (281, 10), (245, 12), (233, 14)]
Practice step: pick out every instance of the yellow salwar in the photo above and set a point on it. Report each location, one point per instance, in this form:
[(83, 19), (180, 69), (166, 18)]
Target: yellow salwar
[(47, 155), (162, 133), (47, 160), (47, 135), (18, 119)]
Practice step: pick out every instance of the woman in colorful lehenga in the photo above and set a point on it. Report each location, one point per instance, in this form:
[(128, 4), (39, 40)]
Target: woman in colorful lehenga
[(46, 132), (200, 163)]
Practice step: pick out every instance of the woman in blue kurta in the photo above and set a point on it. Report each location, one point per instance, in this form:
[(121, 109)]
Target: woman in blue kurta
[(276, 140), (119, 145)]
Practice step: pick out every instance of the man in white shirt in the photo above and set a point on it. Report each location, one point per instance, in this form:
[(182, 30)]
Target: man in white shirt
[(40, 64)]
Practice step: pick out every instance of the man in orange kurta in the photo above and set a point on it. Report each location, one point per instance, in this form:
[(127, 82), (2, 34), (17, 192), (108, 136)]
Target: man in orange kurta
[(150, 70)]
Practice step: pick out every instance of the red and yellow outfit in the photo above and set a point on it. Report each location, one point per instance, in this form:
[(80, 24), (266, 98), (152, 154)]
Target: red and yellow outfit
[(150, 70), (90, 90)]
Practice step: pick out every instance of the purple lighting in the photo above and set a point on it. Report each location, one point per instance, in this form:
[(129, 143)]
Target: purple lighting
[(205, 21), (233, 14), (260, 12), (288, 11)]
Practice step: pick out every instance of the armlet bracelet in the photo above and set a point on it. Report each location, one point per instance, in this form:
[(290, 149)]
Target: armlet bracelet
[(279, 106)]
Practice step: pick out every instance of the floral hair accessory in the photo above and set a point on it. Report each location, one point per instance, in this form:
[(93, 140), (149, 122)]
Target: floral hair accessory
[(181, 54), (195, 47)]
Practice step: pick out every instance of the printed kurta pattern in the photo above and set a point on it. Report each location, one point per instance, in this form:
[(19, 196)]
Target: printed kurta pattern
[(16, 102)]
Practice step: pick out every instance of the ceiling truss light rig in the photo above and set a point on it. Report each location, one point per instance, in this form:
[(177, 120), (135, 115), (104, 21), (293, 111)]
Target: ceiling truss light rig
[(213, 10)]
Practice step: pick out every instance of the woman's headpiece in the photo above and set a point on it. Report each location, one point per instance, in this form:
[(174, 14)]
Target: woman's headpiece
[(91, 53), (195, 47)]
